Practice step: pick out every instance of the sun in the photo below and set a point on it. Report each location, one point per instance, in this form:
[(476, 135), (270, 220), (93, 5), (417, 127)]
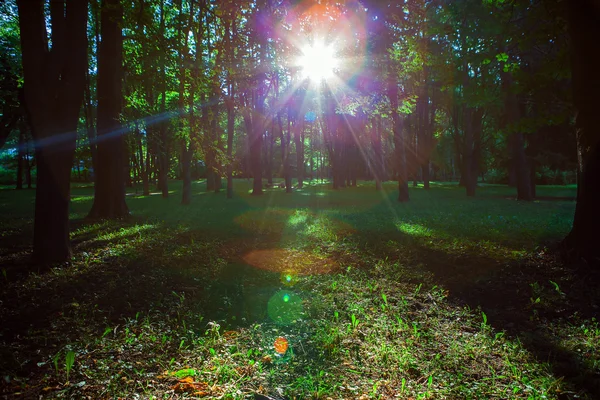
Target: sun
[(318, 62)]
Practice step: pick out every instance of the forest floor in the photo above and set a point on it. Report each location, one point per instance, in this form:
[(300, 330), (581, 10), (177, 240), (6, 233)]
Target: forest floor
[(315, 294)]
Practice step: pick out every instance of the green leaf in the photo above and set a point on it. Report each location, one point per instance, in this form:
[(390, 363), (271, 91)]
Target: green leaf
[(182, 373), (502, 57)]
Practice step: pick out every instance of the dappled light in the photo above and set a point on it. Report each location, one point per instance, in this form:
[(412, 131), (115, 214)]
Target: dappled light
[(289, 223), (295, 263)]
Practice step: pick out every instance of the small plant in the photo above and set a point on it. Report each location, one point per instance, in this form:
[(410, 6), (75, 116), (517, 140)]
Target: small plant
[(4, 274), (55, 361), (354, 322), (418, 288), (416, 332), (384, 306), (180, 297), (484, 323), (557, 288), (107, 330), (69, 362)]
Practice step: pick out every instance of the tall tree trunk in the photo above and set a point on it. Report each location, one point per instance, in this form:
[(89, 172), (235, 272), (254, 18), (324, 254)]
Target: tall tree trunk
[(216, 145), (470, 178), (21, 154), (268, 155), (516, 142), (163, 149), (230, 103), (399, 143), (285, 149), (584, 29), (258, 124), (109, 187), (428, 130), (89, 120), (230, 131), (186, 163), (186, 149), (54, 82), (376, 164), (299, 127)]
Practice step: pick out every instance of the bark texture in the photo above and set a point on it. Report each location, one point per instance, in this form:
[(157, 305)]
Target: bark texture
[(54, 83), (109, 187), (584, 29)]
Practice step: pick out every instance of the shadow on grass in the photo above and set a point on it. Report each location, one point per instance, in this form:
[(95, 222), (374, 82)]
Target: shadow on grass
[(166, 259), (123, 270), (537, 299)]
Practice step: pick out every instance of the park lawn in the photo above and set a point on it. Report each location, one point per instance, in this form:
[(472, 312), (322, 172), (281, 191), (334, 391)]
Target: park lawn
[(442, 297)]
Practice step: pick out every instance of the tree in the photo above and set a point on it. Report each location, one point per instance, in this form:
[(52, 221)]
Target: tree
[(109, 187), (54, 83), (584, 29)]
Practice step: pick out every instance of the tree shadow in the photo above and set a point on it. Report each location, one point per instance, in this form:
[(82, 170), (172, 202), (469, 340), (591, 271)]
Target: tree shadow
[(128, 274), (531, 299)]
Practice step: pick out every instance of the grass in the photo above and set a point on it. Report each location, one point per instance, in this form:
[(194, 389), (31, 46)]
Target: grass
[(316, 294)]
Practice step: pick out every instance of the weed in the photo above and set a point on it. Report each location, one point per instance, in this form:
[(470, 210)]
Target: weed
[(354, 322), (69, 362)]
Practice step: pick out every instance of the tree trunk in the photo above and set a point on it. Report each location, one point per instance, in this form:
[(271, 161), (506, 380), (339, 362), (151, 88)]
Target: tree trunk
[(584, 29), (376, 166), (186, 164), (470, 181), (299, 127), (29, 166), (21, 154), (163, 149), (54, 82), (399, 144), (268, 156), (516, 142), (521, 167), (230, 129), (109, 187), (89, 121), (285, 152)]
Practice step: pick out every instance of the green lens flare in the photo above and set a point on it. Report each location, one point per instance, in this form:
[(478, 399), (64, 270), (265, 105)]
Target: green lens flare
[(289, 278), (285, 308)]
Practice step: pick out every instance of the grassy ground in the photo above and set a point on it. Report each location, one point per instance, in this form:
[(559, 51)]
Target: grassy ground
[(315, 294)]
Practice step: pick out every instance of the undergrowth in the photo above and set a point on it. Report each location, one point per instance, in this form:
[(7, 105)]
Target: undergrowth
[(318, 294)]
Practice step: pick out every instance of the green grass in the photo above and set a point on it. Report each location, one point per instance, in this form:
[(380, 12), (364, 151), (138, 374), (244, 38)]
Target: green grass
[(441, 297)]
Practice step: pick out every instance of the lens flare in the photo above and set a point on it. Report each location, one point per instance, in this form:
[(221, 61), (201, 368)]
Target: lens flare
[(289, 278), (281, 345), (285, 308)]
